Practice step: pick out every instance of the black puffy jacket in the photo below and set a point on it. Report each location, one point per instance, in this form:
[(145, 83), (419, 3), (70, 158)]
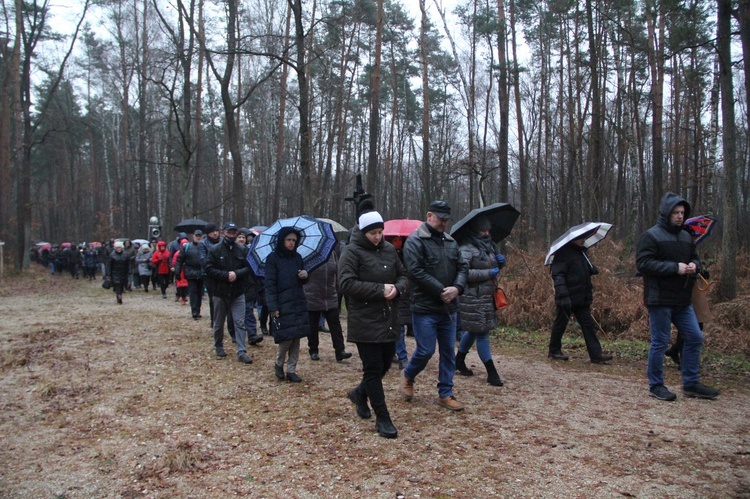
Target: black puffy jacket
[(660, 251), (190, 259), (571, 274), (433, 262), (223, 258), (364, 270), (118, 267)]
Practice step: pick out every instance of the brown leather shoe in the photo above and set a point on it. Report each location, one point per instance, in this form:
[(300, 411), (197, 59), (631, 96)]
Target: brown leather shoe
[(451, 403), (407, 388)]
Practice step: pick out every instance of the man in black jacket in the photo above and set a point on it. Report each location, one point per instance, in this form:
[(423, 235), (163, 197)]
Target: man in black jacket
[(438, 274), (668, 261), (571, 274), (190, 259), (228, 271)]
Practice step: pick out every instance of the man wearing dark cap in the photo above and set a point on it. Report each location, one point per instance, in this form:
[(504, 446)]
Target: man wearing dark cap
[(438, 275), (189, 258), (228, 271)]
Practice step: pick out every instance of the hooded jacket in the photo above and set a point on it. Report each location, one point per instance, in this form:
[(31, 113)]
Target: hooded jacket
[(284, 292), (160, 259), (189, 260), (660, 251), (478, 313), (142, 259), (363, 272), (433, 262)]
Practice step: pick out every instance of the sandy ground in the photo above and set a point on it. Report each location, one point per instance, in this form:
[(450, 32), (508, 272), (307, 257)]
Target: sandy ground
[(101, 400)]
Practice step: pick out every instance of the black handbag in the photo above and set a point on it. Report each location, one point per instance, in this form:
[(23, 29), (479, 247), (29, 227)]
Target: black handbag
[(107, 283)]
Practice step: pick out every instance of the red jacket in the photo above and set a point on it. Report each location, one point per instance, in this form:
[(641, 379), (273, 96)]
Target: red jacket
[(180, 280), (161, 259)]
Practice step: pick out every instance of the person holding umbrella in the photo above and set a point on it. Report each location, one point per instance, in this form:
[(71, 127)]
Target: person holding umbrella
[(286, 301), (574, 293), (699, 228), (477, 304)]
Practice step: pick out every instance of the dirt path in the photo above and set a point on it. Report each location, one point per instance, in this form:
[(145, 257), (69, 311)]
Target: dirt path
[(100, 400)]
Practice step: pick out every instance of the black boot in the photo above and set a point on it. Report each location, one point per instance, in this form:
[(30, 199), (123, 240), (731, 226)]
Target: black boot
[(492, 377), (385, 427), (461, 366)]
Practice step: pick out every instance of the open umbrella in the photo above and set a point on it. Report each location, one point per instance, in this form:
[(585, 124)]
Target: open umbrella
[(139, 241), (592, 231), (190, 225), (502, 216), (338, 229), (400, 227), (315, 245), (702, 225), (258, 228)]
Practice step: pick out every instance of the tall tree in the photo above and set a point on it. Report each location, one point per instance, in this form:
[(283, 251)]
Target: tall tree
[(728, 280)]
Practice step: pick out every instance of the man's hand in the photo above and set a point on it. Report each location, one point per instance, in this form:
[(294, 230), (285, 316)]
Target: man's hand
[(686, 268), (232, 276), (302, 274), (390, 291), (449, 294)]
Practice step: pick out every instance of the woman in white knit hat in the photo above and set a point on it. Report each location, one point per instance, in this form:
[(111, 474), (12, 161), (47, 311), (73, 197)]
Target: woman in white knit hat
[(372, 277)]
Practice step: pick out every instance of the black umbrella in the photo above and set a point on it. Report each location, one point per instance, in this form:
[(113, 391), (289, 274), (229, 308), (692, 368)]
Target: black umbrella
[(502, 216), (190, 225)]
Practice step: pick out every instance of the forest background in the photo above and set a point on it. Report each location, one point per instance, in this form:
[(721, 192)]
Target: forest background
[(252, 111)]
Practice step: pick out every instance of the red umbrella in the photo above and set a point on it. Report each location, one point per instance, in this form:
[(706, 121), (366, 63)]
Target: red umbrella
[(400, 227), (65, 245)]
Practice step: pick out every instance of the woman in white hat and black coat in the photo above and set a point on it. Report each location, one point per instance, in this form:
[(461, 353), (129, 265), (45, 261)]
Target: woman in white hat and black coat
[(372, 277)]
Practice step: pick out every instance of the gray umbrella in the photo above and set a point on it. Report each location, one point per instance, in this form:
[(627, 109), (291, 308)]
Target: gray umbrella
[(592, 231)]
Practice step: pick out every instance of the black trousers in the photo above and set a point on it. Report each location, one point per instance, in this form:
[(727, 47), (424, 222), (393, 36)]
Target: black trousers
[(334, 324), (583, 316), (376, 361), (195, 292)]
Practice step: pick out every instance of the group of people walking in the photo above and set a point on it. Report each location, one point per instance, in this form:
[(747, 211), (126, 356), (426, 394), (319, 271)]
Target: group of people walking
[(447, 284)]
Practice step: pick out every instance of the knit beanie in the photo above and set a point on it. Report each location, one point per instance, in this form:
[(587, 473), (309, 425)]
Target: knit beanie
[(370, 220), (119, 244)]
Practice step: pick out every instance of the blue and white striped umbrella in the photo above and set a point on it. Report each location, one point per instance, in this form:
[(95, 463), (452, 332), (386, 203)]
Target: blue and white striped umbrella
[(315, 245)]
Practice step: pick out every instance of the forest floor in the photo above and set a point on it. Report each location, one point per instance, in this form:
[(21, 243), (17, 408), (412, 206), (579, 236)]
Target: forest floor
[(101, 400)]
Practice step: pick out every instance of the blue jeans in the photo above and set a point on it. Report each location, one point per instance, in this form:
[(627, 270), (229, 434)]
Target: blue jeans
[(483, 345), (401, 353), (430, 329), (661, 320)]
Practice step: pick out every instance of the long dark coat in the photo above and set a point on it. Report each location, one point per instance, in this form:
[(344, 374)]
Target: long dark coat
[(118, 267), (364, 270), (284, 292)]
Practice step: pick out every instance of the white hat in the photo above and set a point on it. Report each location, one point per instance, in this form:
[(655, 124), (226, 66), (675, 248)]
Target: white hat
[(119, 244), (370, 220)]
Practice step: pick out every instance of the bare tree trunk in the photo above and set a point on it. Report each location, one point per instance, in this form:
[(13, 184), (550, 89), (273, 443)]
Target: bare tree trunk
[(426, 175), (373, 172), (728, 280), (198, 117), (279, 171), (304, 106), (522, 167), (656, 61), (595, 158), (504, 101)]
